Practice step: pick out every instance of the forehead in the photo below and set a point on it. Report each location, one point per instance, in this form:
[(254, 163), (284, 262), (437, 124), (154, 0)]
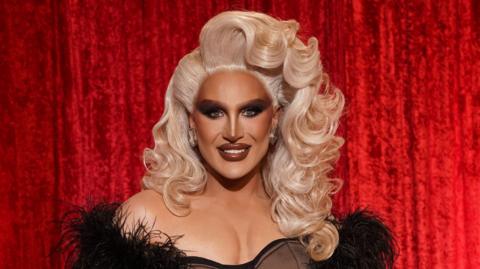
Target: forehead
[(232, 87)]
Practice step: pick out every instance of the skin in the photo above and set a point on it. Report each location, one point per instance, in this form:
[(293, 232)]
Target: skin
[(230, 221), (239, 111)]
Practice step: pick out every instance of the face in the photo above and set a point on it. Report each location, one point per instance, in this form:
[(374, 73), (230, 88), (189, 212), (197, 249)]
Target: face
[(233, 115)]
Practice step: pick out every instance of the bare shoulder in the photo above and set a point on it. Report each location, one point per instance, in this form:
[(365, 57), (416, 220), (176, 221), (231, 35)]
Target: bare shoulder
[(147, 208)]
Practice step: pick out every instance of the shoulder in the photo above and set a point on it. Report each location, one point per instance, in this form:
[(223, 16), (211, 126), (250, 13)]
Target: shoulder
[(145, 208), (110, 235), (365, 242)]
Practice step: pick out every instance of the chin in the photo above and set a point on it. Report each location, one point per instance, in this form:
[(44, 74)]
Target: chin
[(233, 170), (233, 173)]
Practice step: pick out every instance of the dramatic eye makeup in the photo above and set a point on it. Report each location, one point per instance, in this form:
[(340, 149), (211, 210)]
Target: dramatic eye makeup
[(254, 107), (213, 109), (210, 109)]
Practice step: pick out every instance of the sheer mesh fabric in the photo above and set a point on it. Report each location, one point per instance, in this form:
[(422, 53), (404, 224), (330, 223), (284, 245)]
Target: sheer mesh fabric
[(279, 254)]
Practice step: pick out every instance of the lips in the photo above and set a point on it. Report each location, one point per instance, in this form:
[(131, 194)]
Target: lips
[(234, 152)]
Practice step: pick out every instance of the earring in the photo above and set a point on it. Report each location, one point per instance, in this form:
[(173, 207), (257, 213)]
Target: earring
[(192, 137), (273, 136)]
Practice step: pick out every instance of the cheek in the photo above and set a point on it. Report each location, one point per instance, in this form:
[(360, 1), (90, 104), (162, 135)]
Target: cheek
[(208, 130), (259, 127)]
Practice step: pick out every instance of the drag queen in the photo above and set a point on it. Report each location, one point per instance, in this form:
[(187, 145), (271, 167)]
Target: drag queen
[(239, 176)]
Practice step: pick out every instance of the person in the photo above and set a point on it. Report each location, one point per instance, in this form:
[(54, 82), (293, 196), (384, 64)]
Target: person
[(239, 174)]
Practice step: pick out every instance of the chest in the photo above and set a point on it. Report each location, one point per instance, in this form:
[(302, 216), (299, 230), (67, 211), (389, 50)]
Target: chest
[(226, 239)]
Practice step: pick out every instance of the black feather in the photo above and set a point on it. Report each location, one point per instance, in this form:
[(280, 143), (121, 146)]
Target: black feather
[(95, 239), (365, 243)]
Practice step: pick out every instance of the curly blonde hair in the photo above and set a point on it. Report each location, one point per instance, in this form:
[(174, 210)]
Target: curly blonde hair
[(296, 176)]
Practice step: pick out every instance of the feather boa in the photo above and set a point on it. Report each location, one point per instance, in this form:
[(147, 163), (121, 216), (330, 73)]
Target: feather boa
[(94, 240), (365, 243)]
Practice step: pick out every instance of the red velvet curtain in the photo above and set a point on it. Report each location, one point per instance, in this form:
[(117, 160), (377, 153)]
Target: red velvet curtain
[(82, 83)]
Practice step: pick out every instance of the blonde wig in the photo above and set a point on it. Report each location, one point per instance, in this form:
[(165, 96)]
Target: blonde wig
[(296, 175)]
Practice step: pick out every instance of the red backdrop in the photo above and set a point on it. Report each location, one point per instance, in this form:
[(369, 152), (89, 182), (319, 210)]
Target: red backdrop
[(82, 83)]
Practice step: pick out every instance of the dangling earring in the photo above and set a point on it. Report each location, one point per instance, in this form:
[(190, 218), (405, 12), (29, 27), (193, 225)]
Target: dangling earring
[(273, 136), (192, 137)]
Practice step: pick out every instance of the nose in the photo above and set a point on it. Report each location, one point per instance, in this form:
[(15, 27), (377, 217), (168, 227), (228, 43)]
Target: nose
[(233, 130)]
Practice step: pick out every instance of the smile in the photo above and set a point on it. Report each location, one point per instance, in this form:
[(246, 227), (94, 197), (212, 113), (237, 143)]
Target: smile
[(234, 152)]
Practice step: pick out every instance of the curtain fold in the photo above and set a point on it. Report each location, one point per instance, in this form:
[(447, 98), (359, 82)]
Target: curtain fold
[(82, 83)]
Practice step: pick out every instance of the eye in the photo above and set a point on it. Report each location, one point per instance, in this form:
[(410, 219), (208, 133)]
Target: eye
[(252, 111), (213, 113)]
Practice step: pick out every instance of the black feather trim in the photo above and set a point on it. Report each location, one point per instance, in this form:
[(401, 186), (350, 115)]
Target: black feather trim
[(94, 240), (365, 243)]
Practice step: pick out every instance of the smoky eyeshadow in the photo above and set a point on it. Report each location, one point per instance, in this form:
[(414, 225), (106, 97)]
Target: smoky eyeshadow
[(210, 107), (256, 106)]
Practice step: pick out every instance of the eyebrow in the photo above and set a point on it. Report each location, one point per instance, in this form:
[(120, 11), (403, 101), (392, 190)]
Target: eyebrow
[(257, 101)]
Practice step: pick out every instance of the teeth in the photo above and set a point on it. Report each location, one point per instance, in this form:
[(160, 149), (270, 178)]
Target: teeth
[(234, 151)]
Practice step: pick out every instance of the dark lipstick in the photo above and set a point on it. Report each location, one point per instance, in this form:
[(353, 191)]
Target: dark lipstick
[(234, 152)]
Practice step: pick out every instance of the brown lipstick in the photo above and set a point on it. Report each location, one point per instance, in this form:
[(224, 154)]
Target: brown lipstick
[(234, 152)]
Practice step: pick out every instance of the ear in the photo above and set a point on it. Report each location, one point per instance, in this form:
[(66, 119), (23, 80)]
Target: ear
[(191, 120), (277, 113)]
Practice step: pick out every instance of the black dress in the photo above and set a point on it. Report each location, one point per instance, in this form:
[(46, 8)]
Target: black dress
[(95, 240)]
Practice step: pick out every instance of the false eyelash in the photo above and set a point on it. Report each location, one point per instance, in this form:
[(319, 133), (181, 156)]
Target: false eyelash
[(208, 110), (256, 109)]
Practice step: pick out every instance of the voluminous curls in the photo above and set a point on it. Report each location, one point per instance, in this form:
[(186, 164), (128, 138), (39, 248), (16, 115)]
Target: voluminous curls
[(296, 175)]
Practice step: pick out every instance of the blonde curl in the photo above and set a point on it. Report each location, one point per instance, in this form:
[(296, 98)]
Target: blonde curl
[(296, 175)]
